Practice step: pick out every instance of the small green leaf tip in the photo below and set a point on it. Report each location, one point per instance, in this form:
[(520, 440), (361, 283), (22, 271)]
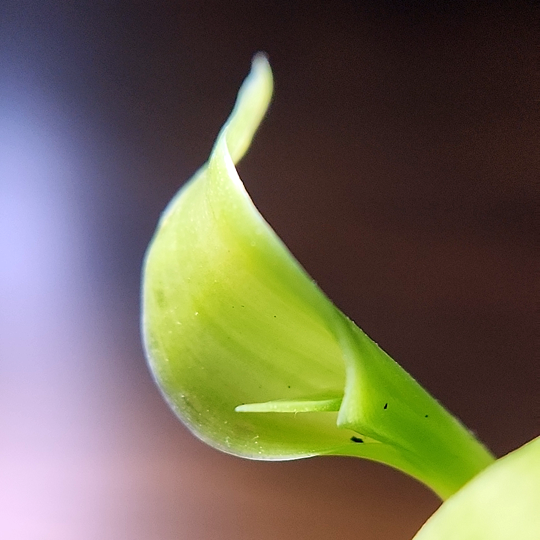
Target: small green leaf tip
[(254, 358)]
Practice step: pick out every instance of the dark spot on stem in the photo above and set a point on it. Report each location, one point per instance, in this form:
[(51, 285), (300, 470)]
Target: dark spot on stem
[(385, 406), (426, 416), (356, 439)]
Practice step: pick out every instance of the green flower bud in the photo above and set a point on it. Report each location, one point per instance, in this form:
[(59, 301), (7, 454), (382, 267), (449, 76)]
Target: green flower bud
[(254, 358)]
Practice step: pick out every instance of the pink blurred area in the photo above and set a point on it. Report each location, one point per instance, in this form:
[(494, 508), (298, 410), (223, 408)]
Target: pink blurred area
[(399, 163)]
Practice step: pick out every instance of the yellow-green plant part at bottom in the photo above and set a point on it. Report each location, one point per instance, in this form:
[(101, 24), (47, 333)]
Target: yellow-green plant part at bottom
[(254, 358), (501, 503)]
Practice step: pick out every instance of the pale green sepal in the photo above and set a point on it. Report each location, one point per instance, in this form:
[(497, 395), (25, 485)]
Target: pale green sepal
[(501, 503), (229, 317)]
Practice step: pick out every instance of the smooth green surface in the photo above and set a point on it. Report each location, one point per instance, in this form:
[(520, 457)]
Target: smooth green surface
[(501, 503), (255, 359)]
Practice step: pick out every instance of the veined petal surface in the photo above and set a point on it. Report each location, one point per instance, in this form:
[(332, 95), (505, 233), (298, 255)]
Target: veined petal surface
[(230, 317)]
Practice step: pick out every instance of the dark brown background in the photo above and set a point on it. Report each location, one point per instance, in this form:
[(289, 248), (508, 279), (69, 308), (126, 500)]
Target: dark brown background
[(398, 163)]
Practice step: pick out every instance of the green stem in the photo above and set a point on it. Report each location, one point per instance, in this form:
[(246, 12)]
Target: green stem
[(414, 433)]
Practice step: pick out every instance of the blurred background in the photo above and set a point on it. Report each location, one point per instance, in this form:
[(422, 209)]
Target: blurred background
[(399, 163)]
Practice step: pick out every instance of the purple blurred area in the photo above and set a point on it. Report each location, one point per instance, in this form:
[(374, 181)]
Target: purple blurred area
[(399, 163)]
